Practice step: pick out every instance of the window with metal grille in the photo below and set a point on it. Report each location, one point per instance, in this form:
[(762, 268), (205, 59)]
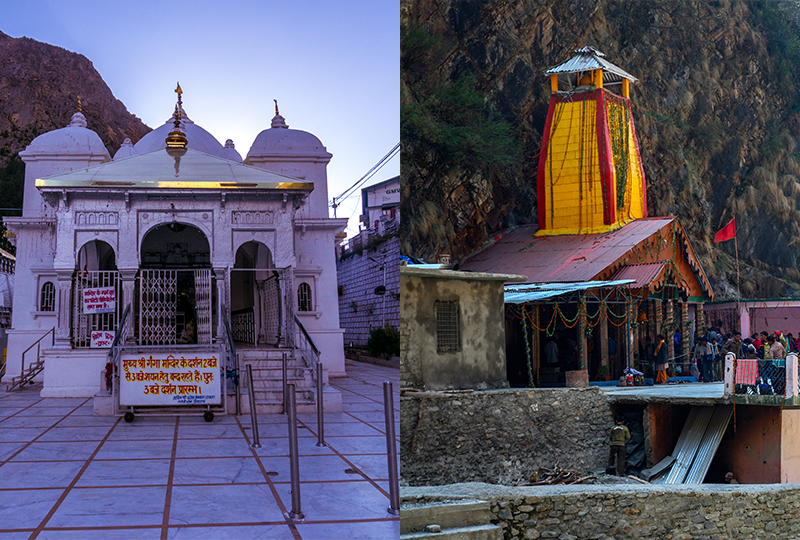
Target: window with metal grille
[(304, 297), (448, 336), (48, 300)]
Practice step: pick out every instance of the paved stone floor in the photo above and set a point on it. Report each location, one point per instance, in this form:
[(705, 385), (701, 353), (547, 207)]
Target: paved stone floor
[(65, 473)]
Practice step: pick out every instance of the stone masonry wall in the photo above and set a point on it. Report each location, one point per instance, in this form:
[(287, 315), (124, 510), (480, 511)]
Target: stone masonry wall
[(602, 512), (501, 436), (359, 307)]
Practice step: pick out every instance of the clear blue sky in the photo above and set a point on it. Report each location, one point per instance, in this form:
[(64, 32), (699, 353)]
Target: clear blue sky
[(332, 66)]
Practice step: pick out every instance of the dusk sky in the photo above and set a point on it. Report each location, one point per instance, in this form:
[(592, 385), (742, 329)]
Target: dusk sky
[(332, 66)]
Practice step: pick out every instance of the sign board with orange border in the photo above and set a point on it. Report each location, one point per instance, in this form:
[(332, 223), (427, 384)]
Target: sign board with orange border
[(167, 379)]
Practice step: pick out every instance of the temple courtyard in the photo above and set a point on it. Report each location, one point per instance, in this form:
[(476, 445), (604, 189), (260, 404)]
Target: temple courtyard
[(65, 473)]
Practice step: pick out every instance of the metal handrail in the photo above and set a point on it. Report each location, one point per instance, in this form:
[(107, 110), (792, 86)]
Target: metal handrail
[(307, 336), (38, 350), (305, 345), (232, 358)]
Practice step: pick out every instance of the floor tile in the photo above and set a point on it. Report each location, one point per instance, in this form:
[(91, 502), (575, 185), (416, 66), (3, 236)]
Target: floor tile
[(26, 509), (371, 530), (75, 434), (142, 432), (111, 507), (20, 434), (156, 449), (23, 475), (141, 472), (57, 451), (254, 532), (338, 501), (217, 471), (153, 533), (188, 448), (209, 431), (223, 504), (29, 421)]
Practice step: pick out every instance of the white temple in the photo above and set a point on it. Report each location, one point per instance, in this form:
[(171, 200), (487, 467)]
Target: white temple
[(198, 244)]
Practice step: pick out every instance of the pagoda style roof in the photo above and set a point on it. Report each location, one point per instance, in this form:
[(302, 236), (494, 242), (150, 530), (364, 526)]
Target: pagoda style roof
[(167, 169), (589, 59)]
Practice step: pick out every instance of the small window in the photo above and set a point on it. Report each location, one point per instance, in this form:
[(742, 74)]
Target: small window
[(47, 302), (448, 337), (304, 297)]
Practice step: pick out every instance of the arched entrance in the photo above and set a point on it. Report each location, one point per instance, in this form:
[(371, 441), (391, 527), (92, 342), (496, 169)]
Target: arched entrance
[(96, 295), (175, 287), (256, 297)]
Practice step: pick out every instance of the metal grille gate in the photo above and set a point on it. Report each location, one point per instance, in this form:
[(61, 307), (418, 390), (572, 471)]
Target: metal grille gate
[(270, 294), (158, 299), (202, 298), (84, 324)]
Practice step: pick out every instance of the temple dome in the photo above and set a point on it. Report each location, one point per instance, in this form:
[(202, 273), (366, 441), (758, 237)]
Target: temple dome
[(230, 152), (198, 138), (280, 140), (75, 139)]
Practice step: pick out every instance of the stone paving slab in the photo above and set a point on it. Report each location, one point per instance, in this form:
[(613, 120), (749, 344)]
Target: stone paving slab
[(67, 474)]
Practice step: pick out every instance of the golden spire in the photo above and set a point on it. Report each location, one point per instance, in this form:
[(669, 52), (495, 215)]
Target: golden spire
[(276, 107), (176, 137), (79, 104)]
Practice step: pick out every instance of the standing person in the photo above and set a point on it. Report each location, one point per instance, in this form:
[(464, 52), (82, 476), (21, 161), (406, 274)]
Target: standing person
[(551, 352), (782, 340), (662, 360), (734, 345), (716, 357), (705, 356), (776, 350), (650, 356), (619, 436)]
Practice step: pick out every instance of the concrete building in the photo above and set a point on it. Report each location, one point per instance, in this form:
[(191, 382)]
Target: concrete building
[(452, 333)]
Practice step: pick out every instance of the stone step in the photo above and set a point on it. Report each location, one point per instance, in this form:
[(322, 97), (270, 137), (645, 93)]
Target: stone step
[(446, 515), (474, 532), (273, 383)]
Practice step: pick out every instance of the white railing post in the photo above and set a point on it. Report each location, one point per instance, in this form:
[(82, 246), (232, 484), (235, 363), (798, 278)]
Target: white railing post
[(791, 376), (730, 375)]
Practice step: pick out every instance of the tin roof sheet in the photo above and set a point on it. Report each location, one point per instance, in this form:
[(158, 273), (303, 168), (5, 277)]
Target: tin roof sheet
[(642, 274), (531, 292), (588, 59), (564, 258)]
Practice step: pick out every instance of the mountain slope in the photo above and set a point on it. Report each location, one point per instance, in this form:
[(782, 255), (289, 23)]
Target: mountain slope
[(717, 113)]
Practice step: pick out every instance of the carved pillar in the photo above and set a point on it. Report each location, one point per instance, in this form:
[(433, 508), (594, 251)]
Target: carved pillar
[(582, 335), (685, 330), (634, 330), (128, 278), (63, 338), (700, 320), (657, 315), (604, 339), (223, 302), (668, 320)]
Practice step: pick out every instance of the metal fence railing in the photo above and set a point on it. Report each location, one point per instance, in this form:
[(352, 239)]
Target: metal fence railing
[(760, 377)]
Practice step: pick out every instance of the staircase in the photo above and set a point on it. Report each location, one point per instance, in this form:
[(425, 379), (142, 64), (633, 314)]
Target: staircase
[(34, 368), (463, 520), (26, 376), (268, 379)]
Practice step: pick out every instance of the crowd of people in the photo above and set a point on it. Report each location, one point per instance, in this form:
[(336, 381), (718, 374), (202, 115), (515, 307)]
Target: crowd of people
[(710, 349)]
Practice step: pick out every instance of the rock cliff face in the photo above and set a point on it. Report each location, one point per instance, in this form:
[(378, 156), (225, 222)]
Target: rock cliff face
[(717, 113), (39, 89)]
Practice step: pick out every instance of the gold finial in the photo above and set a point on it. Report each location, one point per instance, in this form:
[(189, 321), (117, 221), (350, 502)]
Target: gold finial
[(176, 138), (276, 107), (79, 104)]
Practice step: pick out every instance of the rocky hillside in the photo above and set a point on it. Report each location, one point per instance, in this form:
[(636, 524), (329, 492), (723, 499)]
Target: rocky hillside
[(39, 89), (717, 113)]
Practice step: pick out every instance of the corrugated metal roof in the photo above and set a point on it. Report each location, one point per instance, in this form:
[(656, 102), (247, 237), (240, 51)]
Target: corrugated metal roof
[(643, 275), (694, 428), (531, 292), (709, 444), (563, 258), (587, 59)]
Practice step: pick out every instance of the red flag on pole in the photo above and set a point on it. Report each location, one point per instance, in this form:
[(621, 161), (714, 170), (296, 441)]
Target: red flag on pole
[(727, 232)]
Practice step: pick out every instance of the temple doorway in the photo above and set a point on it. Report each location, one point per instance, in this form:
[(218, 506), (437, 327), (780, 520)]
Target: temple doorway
[(176, 289)]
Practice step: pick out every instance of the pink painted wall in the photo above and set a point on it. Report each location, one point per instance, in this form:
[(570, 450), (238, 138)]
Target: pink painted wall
[(790, 450)]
